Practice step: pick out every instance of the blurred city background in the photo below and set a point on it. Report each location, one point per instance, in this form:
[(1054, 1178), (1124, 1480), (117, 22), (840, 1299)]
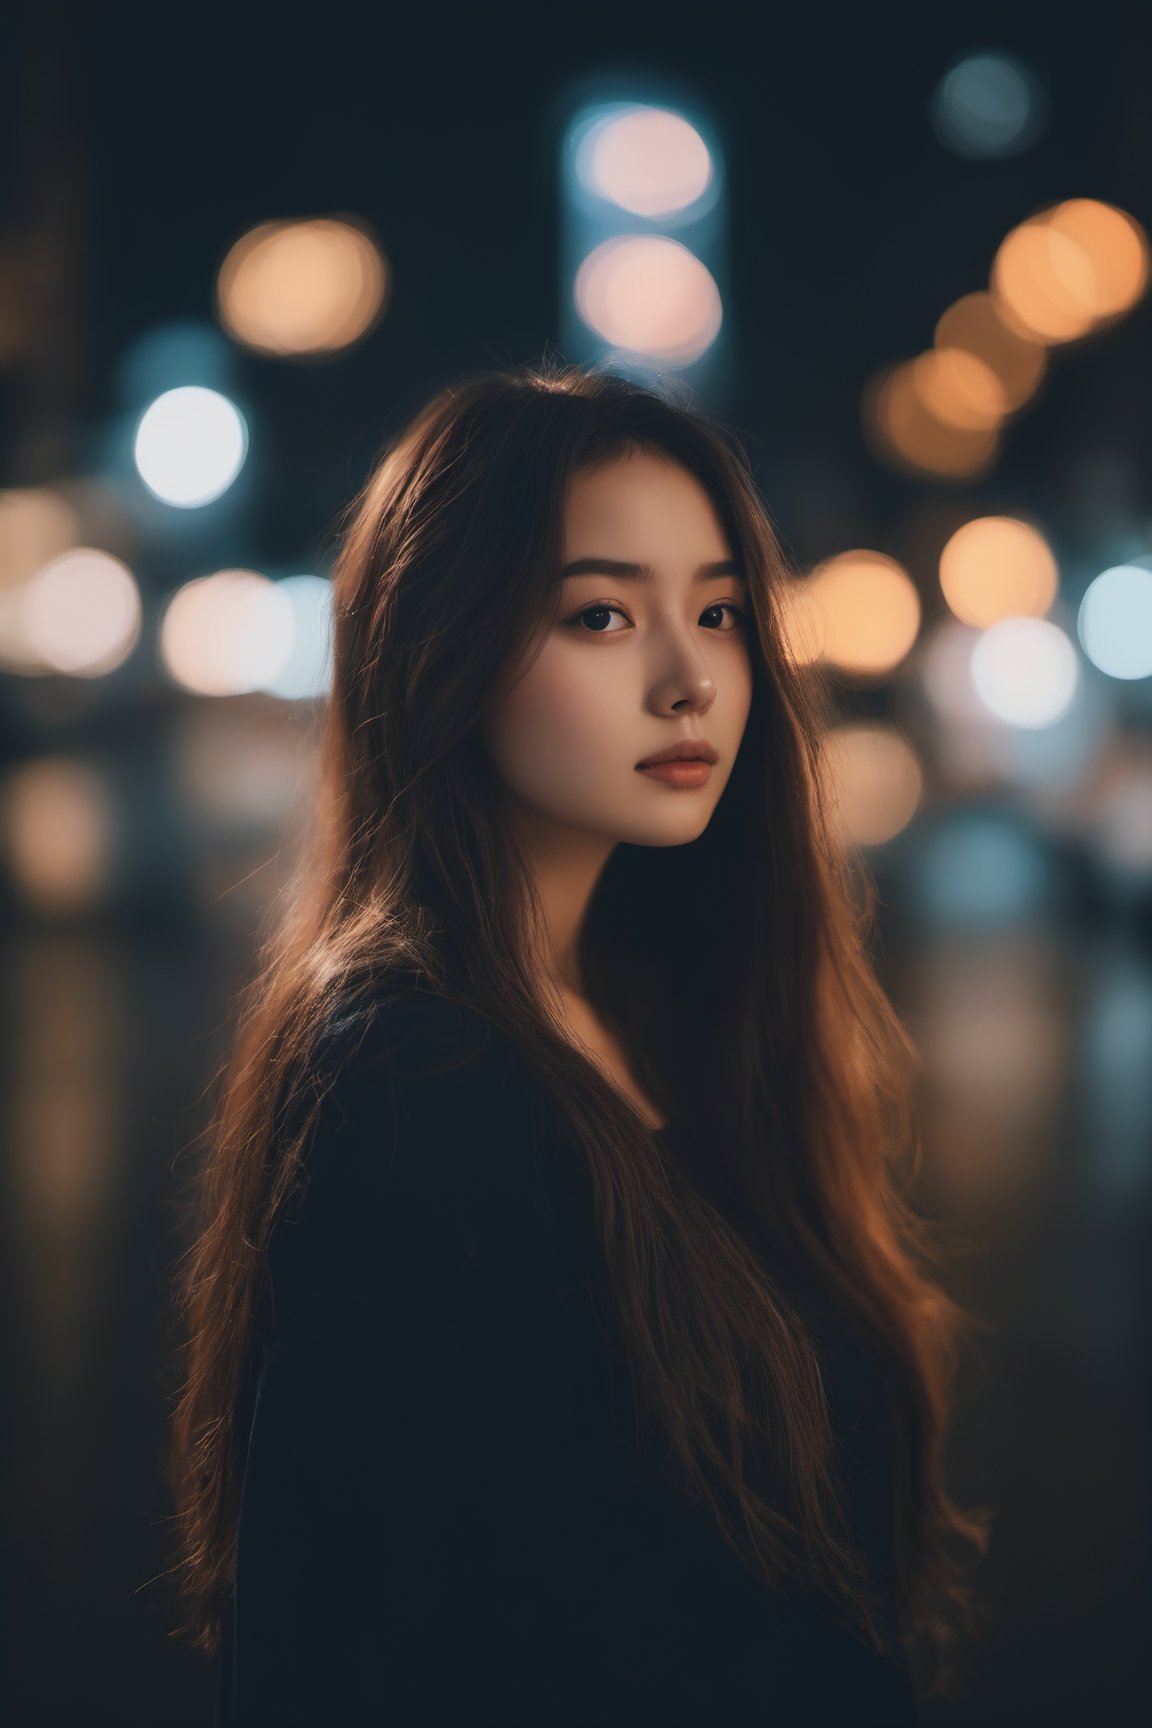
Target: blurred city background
[(903, 250)]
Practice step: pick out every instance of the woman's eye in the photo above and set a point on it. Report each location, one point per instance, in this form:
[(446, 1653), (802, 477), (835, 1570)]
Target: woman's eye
[(601, 612), (604, 608), (737, 614)]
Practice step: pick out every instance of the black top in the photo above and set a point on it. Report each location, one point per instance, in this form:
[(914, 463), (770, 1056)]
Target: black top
[(446, 1517)]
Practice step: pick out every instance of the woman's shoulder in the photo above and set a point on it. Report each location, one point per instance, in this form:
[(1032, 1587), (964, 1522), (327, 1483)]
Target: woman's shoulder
[(426, 1087), (401, 1011), (434, 1156)]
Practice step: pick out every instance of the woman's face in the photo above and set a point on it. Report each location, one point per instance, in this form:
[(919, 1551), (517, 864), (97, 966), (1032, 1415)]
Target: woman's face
[(631, 665)]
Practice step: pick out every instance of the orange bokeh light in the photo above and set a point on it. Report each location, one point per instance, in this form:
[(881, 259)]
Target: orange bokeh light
[(302, 287), (1067, 269), (869, 610), (997, 567), (903, 430), (972, 324)]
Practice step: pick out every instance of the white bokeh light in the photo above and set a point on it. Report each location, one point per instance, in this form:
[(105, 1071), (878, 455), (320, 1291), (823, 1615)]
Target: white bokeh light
[(1115, 621), (650, 295), (1025, 671), (190, 445), (649, 161), (306, 673), (227, 634), (82, 612)]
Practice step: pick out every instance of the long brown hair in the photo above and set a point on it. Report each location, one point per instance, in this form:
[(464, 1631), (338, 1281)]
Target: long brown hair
[(800, 1080)]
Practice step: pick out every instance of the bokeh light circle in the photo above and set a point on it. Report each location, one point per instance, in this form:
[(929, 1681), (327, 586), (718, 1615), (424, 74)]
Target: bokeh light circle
[(302, 287), (870, 611), (650, 295), (973, 324), (82, 612), (904, 432), (874, 781), (649, 161), (37, 524), (989, 105), (1025, 671), (1117, 246), (996, 567), (1114, 622), (960, 389), (190, 445), (226, 634), (306, 672), (1045, 283)]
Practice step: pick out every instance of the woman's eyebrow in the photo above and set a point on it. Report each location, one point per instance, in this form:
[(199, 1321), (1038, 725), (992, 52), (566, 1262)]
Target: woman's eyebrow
[(644, 572)]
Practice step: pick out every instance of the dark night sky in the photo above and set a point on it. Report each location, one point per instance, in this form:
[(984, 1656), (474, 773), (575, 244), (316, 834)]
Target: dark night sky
[(851, 227)]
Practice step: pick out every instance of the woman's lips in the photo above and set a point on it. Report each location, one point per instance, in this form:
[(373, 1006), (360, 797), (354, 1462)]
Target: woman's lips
[(691, 772)]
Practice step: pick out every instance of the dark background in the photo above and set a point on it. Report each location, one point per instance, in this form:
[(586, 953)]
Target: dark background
[(139, 143)]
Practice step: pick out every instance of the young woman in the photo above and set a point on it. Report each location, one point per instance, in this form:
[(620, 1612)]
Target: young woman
[(561, 1345)]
